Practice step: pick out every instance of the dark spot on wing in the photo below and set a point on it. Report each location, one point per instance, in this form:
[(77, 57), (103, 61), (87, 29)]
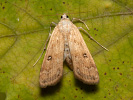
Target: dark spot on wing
[(85, 55), (49, 58)]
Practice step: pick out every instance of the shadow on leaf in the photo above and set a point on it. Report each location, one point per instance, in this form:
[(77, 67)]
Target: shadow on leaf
[(85, 87), (50, 89)]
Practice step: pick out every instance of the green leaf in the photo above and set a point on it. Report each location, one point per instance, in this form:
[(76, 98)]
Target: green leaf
[(24, 28)]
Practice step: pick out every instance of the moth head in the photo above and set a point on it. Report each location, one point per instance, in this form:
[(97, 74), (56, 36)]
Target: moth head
[(64, 16)]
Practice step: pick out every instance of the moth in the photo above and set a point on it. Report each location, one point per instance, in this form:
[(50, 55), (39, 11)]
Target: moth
[(67, 44)]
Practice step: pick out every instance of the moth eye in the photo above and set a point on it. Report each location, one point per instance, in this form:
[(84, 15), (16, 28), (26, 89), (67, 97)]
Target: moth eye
[(61, 17), (67, 16), (85, 55), (49, 58)]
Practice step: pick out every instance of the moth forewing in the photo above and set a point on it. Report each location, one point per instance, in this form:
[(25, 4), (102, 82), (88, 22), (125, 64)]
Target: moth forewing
[(84, 67), (52, 66)]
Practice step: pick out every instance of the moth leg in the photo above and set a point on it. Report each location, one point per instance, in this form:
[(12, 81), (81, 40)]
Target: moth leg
[(45, 43), (81, 22), (92, 38), (52, 23)]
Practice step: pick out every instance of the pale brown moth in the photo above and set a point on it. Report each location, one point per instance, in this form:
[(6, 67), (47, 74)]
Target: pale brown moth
[(66, 43)]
